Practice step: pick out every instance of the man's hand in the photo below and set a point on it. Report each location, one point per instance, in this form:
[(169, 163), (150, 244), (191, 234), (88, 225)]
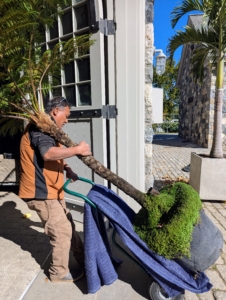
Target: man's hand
[(83, 149), (70, 174)]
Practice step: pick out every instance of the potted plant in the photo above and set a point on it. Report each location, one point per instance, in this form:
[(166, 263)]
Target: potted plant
[(207, 173), (174, 225)]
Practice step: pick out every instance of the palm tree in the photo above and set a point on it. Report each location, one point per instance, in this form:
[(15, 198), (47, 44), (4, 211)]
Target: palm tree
[(25, 71), (210, 42)]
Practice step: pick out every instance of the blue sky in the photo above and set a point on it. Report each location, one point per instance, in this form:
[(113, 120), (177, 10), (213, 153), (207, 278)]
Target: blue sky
[(162, 26)]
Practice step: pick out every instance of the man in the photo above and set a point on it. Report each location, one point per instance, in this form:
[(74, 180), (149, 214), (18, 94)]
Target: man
[(42, 178)]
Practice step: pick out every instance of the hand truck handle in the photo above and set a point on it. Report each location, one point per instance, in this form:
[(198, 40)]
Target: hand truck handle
[(78, 194)]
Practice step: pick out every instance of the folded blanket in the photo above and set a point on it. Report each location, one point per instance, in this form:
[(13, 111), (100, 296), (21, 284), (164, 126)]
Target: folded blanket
[(98, 258)]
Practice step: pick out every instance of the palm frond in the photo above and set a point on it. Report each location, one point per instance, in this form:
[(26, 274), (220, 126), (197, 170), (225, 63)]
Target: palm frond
[(199, 56), (186, 7), (216, 12), (193, 36)]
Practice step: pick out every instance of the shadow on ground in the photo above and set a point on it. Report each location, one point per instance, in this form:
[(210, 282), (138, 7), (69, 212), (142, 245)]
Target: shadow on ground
[(132, 283), (172, 140), (14, 227)]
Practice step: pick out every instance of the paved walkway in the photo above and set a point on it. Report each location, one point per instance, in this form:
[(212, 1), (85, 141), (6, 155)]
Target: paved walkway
[(170, 155), (24, 249)]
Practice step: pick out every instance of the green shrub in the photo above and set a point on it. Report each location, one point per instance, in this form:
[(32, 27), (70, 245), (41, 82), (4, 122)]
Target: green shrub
[(167, 220), (170, 126), (154, 126)]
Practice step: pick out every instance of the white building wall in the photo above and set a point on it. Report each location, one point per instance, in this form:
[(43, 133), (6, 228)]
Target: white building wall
[(130, 37)]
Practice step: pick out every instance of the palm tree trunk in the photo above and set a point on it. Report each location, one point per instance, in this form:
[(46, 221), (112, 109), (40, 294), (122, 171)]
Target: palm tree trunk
[(216, 150), (45, 124)]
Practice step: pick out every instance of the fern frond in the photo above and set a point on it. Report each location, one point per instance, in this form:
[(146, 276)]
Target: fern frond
[(10, 126)]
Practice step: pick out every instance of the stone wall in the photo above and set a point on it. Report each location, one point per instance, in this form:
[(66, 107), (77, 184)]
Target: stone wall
[(196, 105), (196, 110), (149, 48)]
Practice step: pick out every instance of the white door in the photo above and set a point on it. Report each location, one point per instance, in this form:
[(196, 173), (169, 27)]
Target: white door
[(82, 82), (112, 74)]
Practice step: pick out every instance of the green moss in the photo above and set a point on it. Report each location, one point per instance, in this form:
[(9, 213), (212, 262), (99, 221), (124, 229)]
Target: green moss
[(166, 221)]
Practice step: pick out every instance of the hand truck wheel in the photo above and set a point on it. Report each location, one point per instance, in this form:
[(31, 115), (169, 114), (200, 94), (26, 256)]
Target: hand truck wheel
[(156, 292)]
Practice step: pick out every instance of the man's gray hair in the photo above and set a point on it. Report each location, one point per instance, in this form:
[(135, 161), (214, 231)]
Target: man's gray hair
[(57, 101)]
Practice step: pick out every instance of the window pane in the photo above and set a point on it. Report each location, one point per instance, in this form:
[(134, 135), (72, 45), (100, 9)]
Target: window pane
[(69, 71), (56, 77), (84, 93), (70, 94), (46, 99), (54, 31), (56, 92), (43, 49), (52, 45), (83, 67), (67, 22), (81, 15), (42, 37)]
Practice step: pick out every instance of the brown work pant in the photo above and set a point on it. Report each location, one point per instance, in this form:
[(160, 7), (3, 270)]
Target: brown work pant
[(59, 226)]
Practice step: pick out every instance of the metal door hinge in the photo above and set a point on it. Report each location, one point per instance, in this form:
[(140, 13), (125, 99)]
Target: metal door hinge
[(109, 112), (107, 27)]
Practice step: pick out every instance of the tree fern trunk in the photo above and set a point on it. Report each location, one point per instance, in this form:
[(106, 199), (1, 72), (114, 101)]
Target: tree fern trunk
[(45, 124)]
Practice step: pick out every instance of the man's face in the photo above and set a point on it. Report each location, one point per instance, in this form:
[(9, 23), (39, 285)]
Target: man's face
[(60, 115)]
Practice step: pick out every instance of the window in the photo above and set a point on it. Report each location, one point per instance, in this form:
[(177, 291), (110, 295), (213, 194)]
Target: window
[(74, 79)]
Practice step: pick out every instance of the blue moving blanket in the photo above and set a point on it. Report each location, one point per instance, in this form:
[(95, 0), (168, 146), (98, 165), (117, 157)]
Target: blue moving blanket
[(98, 258)]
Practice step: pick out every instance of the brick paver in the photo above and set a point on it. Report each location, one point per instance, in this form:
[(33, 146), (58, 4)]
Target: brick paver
[(170, 155)]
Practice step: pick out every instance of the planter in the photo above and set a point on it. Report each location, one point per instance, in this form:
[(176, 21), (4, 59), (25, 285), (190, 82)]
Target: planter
[(206, 245), (208, 177)]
